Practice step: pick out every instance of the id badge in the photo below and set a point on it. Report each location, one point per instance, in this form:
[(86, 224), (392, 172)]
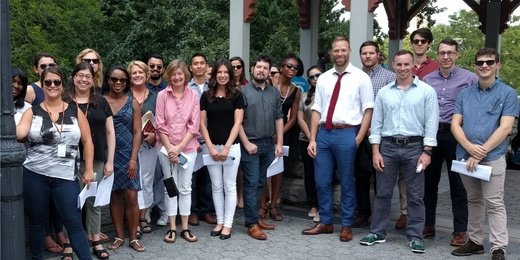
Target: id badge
[(62, 150)]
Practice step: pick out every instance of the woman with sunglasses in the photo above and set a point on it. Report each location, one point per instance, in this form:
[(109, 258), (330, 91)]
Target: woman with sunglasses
[(93, 58), (177, 115), (127, 125), (239, 71), (99, 115), (290, 98), (221, 115), (274, 76), (139, 74), (304, 121), (35, 93), (54, 129)]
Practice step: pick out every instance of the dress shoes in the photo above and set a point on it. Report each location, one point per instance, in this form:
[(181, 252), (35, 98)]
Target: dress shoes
[(429, 231), (319, 229), (459, 239), (345, 234), (224, 236), (265, 226), (193, 220), (215, 233), (210, 218), (401, 222), (255, 232)]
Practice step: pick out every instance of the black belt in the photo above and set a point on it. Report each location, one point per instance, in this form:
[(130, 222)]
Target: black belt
[(403, 140), (337, 126), (444, 127)]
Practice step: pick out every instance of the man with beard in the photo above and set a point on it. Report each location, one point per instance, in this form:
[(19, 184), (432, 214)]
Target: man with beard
[(263, 120), (402, 134), (369, 53), (448, 81), (156, 83), (342, 109)]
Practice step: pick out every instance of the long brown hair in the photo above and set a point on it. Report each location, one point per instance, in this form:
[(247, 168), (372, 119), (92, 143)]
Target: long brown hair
[(70, 91), (312, 89), (231, 89)]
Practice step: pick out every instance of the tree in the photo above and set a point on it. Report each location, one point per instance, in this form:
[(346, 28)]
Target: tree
[(424, 17)]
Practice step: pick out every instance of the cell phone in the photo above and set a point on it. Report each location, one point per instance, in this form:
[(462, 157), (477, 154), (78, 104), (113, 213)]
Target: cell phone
[(182, 160)]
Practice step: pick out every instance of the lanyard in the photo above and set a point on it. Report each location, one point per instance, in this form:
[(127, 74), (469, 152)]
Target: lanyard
[(62, 117)]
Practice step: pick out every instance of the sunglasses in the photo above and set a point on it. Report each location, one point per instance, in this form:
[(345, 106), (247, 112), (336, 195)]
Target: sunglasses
[(44, 66), (153, 66), (291, 67), (237, 67), (480, 63), (422, 41), (48, 83), (92, 61), (315, 76), (274, 73), (115, 80)]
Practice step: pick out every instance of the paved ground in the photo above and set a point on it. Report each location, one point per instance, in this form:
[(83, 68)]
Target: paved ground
[(286, 242)]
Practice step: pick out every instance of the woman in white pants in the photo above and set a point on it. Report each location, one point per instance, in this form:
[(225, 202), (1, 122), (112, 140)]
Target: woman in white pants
[(222, 112), (177, 117)]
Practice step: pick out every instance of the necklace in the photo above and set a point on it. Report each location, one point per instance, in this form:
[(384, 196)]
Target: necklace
[(144, 96), (286, 93)]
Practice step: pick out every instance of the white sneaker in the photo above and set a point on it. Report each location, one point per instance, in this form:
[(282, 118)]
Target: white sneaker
[(316, 218), (163, 221)]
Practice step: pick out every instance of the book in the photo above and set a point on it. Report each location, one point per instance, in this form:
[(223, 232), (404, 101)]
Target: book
[(148, 124)]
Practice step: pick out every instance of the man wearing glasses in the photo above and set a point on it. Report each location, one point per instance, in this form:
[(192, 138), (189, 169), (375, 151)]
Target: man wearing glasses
[(369, 53), (448, 81), (421, 40), (156, 83), (484, 115), (35, 94)]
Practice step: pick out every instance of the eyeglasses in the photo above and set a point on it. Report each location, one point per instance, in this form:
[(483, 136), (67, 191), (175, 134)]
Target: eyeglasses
[(48, 83), (315, 76), (115, 80), (44, 66), (90, 61), (237, 67), (83, 76), (449, 53), (480, 63), (274, 73), (291, 67), (422, 41), (153, 66)]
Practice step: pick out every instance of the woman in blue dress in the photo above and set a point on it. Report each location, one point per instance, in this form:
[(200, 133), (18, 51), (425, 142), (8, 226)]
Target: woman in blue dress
[(127, 124)]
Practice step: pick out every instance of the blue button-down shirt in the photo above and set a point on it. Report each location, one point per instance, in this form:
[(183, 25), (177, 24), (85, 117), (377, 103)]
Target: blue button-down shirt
[(449, 88), (196, 87), (157, 88), (380, 77), (410, 112), (481, 111)]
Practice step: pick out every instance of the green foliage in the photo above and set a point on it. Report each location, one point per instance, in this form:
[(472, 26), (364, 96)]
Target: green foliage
[(424, 17)]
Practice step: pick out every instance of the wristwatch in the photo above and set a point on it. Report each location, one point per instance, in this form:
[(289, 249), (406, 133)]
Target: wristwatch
[(428, 151)]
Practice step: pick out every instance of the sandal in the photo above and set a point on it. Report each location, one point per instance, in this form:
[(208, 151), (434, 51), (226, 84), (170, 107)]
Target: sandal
[(135, 245), (262, 212), (66, 255), (55, 249), (99, 252), (275, 215), (118, 242), (146, 228), (138, 233), (188, 236), (171, 236), (103, 237)]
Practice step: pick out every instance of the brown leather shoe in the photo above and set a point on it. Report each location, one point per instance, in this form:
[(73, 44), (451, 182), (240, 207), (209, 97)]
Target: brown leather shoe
[(265, 226), (320, 228), (345, 234), (428, 231), (210, 218), (459, 239), (255, 232), (401, 222), (193, 220)]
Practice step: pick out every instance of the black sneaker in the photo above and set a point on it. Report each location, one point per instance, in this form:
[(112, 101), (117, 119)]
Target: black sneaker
[(470, 248), (498, 255)]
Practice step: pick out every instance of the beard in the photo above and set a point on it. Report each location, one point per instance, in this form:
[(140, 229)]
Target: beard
[(155, 77)]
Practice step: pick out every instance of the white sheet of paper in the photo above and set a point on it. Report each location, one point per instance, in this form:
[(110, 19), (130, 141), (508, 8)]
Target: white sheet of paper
[(185, 166), (285, 150), (198, 162), (85, 193), (482, 172), (206, 158), (276, 167), (104, 190)]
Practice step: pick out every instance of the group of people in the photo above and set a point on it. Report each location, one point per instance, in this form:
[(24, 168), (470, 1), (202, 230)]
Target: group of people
[(364, 122)]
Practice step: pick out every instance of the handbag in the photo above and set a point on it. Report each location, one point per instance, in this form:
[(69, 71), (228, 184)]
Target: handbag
[(170, 185)]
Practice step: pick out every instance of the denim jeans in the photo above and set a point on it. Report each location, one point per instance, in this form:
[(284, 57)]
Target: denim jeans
[(254, 167), (39, 191), (336, 147)]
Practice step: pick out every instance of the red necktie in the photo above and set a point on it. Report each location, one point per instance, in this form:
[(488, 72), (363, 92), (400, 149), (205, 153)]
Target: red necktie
[(333, 101)]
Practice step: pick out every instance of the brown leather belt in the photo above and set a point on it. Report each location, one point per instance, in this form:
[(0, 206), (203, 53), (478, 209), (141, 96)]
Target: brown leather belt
[(403, 140), (337, 126)]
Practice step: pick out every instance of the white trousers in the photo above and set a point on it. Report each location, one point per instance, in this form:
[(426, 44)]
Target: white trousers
[(147, 163), (182, 179), (224, 185)]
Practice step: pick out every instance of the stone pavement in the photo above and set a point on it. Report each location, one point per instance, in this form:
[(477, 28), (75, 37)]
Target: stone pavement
[(286, 242)]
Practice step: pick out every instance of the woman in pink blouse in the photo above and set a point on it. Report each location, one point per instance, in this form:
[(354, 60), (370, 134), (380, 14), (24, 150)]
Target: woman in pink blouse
[(177, 117)]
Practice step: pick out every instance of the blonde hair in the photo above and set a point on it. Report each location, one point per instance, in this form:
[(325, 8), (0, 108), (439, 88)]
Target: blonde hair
[(141, 65), (173, 66), (98, 76)]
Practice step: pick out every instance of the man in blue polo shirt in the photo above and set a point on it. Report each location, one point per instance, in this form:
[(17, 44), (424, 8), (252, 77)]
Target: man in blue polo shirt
[(484, 115)]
